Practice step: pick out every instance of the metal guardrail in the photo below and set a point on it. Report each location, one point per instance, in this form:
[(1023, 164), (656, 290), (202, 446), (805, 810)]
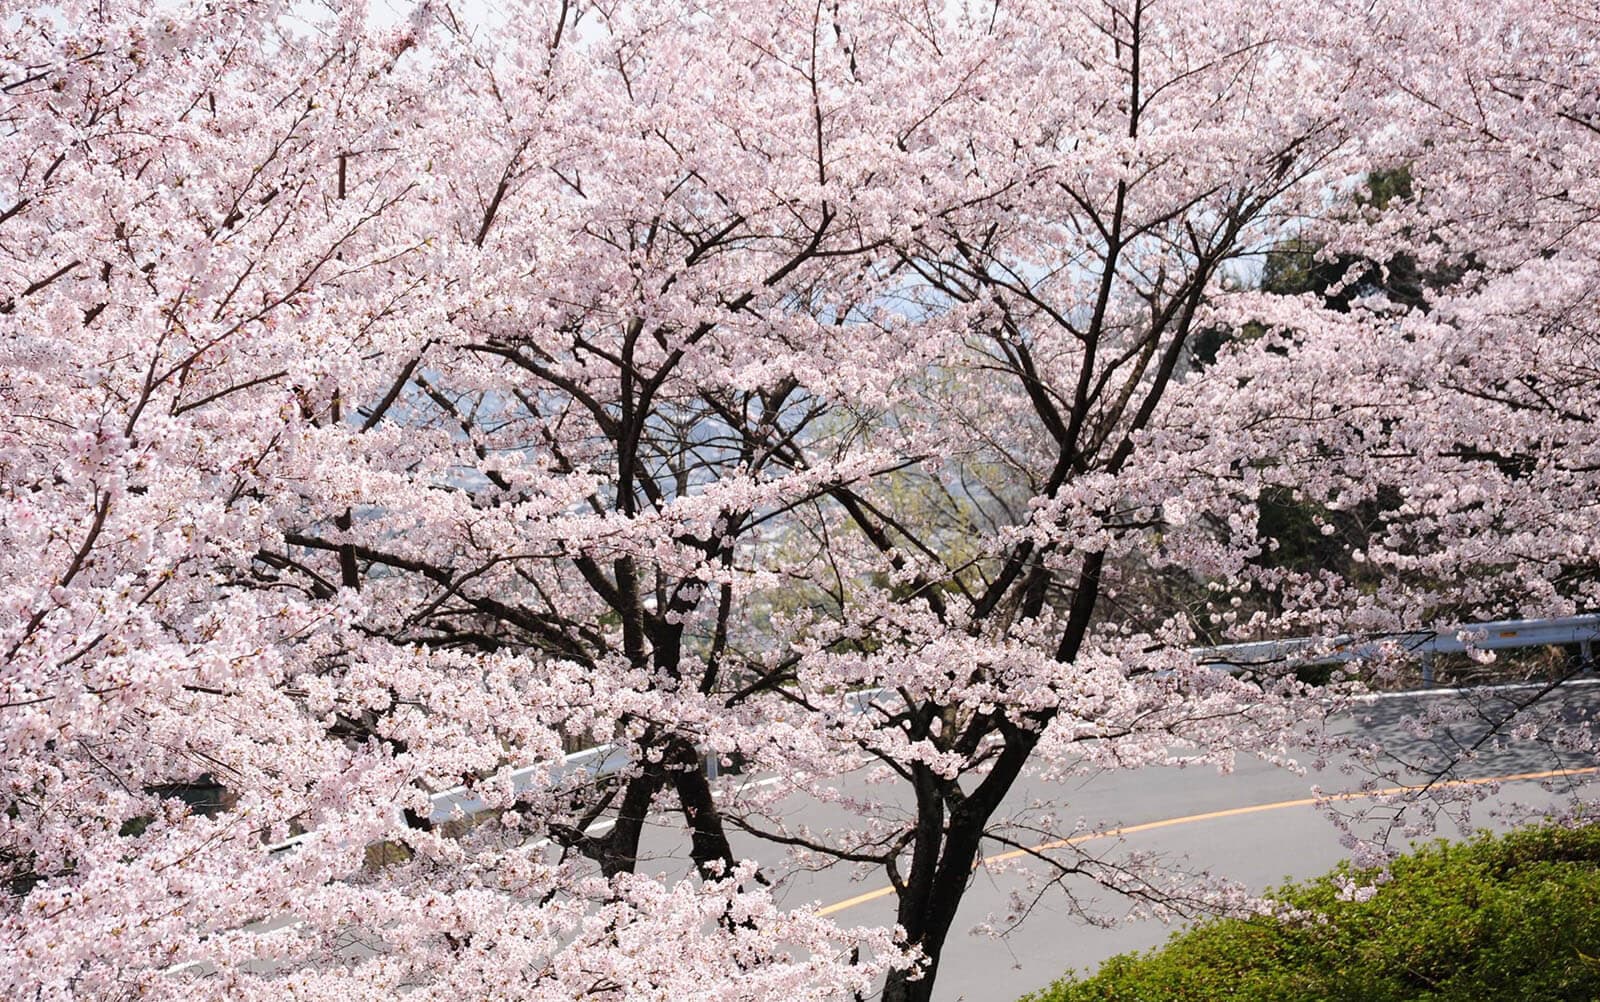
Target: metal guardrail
[(1496, 635), (599, 761), (1582, 631)]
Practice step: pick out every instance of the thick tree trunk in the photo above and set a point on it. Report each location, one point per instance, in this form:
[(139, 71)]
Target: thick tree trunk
[(929, 927), (618, 850), (709, 847), (943, 858)]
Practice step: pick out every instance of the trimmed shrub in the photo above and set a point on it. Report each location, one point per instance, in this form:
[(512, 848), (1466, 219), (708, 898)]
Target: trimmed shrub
[(1513, 917)]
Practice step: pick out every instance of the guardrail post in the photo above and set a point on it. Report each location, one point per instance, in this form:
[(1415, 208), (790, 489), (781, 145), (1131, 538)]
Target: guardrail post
[(1586, 652), (1427, 669)]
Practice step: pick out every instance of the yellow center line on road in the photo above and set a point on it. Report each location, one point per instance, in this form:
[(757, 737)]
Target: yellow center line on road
[(1231, 812)]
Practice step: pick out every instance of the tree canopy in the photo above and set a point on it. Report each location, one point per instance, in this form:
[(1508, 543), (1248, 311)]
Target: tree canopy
[(391, 404)]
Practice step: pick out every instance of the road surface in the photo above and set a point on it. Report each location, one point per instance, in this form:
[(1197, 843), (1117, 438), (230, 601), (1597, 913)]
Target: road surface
[(1258, 826)]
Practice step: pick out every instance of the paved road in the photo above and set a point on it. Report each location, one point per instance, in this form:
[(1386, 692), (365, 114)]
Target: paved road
[(1256, 826)]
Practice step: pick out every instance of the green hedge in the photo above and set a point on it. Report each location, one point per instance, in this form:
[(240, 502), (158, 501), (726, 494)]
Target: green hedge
[(1513, 917)]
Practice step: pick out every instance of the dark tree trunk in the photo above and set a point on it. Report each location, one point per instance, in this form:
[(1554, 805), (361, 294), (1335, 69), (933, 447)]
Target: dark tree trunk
[(943, 858)]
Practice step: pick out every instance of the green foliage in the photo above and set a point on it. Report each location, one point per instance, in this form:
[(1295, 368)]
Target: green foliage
[(1507, 917), (1293, 268)]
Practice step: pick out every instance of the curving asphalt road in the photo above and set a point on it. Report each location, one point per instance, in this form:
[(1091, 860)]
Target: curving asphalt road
[(1258, 826)]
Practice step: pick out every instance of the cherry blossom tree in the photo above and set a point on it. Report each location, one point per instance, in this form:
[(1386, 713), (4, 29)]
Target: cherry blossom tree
[(1483, 508), (390, 408), (267, 282)]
